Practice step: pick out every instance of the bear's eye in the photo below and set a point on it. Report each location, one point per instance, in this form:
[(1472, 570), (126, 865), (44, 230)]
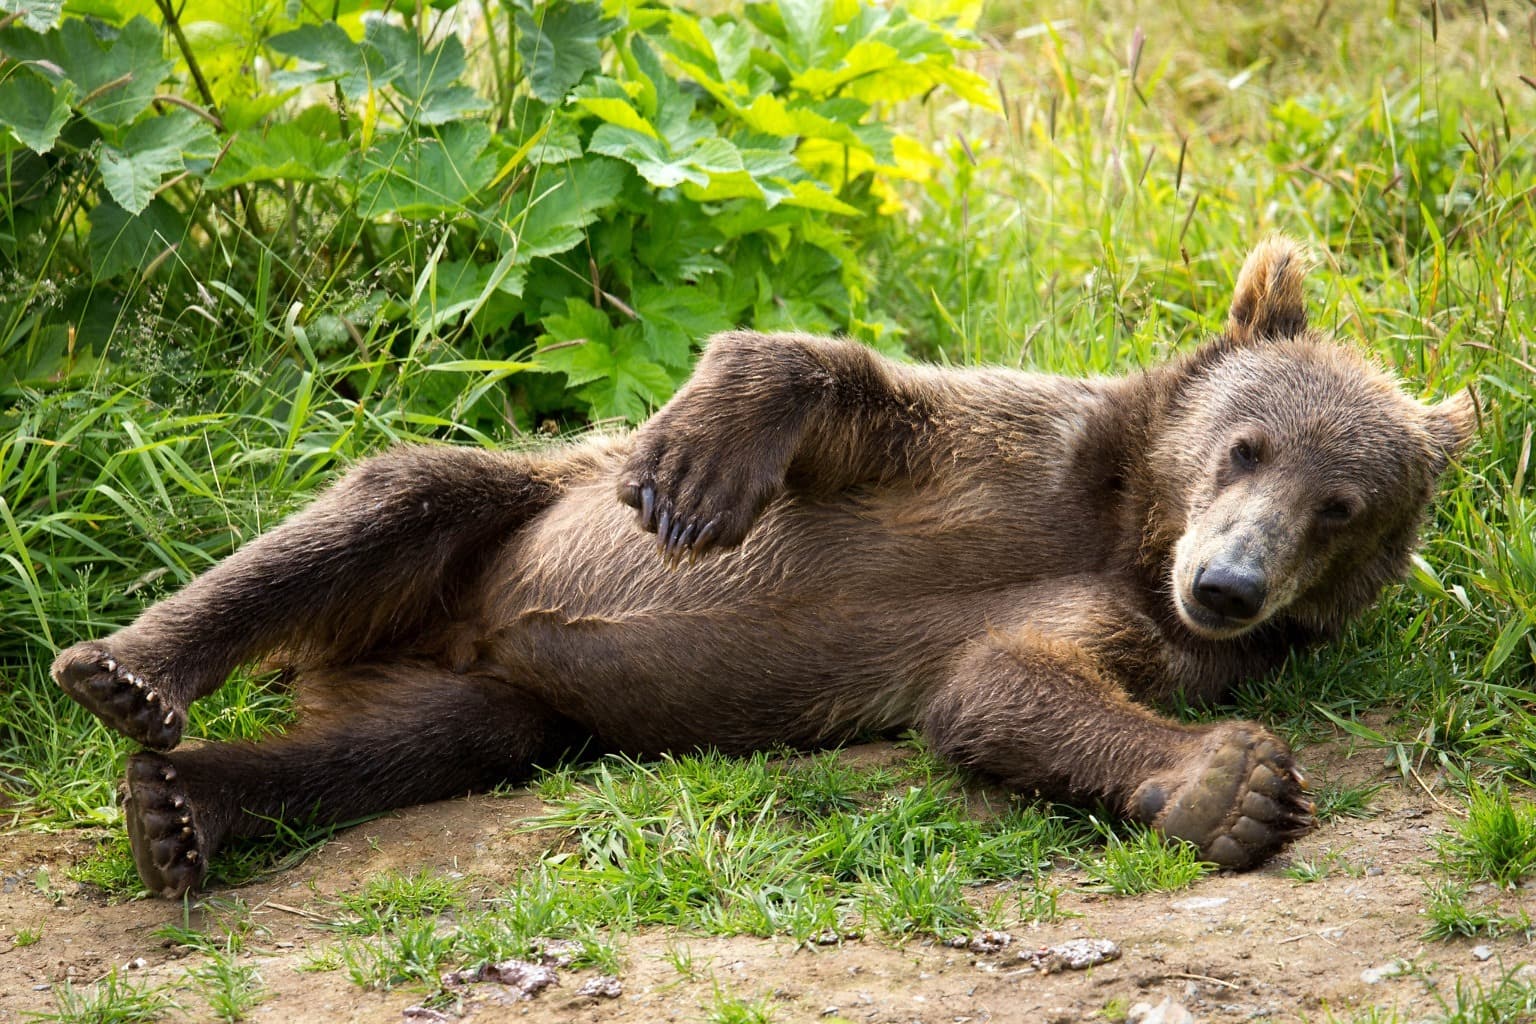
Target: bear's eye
[(1245, 455), (1335, 512)]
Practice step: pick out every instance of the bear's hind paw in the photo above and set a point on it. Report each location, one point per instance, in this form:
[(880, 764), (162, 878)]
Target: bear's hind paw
[(126, 701), (169, 846)]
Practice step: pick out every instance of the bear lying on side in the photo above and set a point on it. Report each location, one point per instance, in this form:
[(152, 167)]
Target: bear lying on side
[(1018, 565)]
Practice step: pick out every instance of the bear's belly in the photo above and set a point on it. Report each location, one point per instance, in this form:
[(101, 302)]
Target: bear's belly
[(823, 623)]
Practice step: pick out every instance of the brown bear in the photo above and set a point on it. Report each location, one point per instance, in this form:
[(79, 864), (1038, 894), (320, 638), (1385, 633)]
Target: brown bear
[(1018, 565)]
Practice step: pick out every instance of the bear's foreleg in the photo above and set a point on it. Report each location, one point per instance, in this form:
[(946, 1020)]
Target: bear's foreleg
[(1039, 715), (388, 736), (762, 411), (385, 548)]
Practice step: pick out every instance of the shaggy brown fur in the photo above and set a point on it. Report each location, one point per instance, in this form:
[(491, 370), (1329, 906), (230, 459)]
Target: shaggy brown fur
[(1019, 565)]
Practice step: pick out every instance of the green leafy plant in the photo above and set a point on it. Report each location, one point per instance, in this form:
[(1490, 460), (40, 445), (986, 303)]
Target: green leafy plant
[(629, 183), (1496, 840)]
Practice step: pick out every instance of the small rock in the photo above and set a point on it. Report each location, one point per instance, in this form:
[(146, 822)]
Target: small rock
[(1482, 952), (1331, 934), (522, 979), (423, 1013), (1200, 903), (829, 1011), (604, 986), (1393, 969), (1375, 872), (556, 952), (1073, 955), (1165, 1012), (982, 942)]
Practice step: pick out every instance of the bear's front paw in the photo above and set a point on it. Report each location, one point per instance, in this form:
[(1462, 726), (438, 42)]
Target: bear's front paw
[(692, 492), (132, 703), (1239, 798)]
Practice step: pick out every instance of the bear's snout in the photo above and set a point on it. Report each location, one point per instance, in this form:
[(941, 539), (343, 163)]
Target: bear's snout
[(1231, 591)]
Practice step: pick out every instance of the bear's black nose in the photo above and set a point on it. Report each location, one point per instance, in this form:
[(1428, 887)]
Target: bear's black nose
[(1230, 591)]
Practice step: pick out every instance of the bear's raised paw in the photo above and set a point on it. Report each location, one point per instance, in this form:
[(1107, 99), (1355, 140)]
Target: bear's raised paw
[(1239, 799), (127, 701)]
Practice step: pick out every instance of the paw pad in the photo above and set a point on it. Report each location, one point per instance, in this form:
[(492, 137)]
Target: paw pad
[(123, 699), (163, 831)]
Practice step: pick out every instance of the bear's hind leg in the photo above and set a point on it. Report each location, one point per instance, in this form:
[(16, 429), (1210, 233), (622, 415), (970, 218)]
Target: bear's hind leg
[(388, 736), (392, 543), (1037, 714)]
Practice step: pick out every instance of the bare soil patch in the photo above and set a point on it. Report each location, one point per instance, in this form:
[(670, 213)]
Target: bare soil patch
[(1254, 946)]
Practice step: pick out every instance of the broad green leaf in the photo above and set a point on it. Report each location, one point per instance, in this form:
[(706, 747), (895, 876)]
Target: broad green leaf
[(116, 76), (560, 48), (34, 110), (151, 149), (460, 287), (120, 241), (132, 177), (37, 15), (813, 195), (424, 72), (731, 42), (607, 368), (659, 164), (552, 217), (808, 29), (285, 151), (631, 391), (581, 324), (618, 112), (450, 104), (553, 137), (177, 129), (425, 177), (334, 55), (673, 320)]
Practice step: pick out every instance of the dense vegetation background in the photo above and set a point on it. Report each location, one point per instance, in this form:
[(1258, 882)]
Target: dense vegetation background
[(242, 243)]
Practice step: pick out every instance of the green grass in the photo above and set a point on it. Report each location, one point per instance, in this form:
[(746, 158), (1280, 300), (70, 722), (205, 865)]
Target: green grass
[(386, 900), (1144, 861), (727, 1008), (230, 988), (1453, 912), (1496, 841), (112, 1000)]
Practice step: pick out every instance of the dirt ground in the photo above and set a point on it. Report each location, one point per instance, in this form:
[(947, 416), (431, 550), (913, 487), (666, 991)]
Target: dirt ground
[(1255, 946)]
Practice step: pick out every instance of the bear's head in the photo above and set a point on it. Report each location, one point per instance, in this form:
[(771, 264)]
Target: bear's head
[(1293, 471)]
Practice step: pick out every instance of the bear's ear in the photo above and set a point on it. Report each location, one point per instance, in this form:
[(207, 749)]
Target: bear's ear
[(1451, 425), (1268, 301)]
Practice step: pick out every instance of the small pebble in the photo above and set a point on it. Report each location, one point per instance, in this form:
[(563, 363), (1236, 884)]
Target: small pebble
[(1073, 955), (1200, 903), (1376, 975), (1482, 952), (1165, 1012)]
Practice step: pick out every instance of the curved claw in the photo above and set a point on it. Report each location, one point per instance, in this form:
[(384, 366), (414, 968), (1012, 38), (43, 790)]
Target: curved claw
[(647, 505)]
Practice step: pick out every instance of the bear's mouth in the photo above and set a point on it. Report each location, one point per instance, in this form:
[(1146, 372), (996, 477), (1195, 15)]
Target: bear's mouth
[(1208, 624)]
